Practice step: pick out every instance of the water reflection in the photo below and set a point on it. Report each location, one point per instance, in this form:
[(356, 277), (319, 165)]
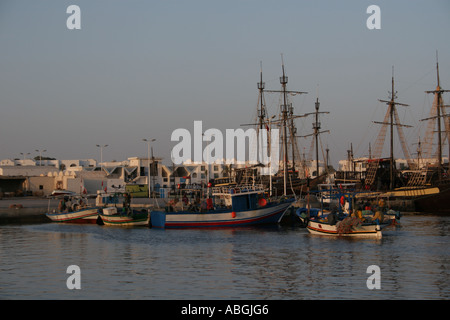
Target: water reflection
[(247, 263)]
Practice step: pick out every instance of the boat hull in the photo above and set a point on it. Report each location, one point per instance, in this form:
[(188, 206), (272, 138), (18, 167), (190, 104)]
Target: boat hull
[(436, 203), (270, 214), (85, 216), (364, 230), (138, 219)]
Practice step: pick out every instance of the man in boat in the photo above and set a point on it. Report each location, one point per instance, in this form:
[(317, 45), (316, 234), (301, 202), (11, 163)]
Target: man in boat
[(378, 217), (69, 205), (61, 205), (358, 213), (332, 217)]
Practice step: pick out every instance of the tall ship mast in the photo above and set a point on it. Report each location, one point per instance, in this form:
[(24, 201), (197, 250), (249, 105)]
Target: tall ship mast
[(316, 130), (391, 119), (286, 121), (287, 180), (434, 177), (437, 114)]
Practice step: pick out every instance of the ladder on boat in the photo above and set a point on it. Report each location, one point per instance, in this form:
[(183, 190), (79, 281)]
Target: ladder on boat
[(371, 173), (418, 178)]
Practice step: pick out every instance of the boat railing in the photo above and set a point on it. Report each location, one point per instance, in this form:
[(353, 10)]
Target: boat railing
[(237, 189)]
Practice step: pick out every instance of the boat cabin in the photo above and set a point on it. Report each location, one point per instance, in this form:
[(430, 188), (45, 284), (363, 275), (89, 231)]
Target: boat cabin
[(242, 198)]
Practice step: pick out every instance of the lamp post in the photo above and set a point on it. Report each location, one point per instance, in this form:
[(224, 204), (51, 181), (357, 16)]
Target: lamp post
[(101, 154), (40, 156), (150, 189)]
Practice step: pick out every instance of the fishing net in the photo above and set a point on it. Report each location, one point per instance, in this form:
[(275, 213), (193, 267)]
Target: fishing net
[(346, 225)]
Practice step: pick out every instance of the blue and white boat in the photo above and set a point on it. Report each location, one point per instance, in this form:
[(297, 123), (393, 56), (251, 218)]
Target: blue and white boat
[(343, 220), (227, 207)]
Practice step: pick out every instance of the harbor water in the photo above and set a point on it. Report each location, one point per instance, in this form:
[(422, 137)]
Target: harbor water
[(263, 263)]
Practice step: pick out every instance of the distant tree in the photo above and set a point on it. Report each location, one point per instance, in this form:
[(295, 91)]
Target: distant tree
[(43, 158)]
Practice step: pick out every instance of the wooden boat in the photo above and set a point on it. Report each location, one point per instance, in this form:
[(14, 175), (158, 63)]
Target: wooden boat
[(111, 217), (84, 215), (73, 210), (326, 192), (319, 223), (58, 192), (233, 207), (339, 220), (352, 227)]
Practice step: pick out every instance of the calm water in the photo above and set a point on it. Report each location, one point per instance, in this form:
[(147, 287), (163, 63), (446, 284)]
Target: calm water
[(250, 263)]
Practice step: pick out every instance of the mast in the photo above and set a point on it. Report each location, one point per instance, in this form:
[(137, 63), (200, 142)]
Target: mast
[(284, 111), (440, 113), (316, 132), (262, 104), (393, 113), (286, 118)]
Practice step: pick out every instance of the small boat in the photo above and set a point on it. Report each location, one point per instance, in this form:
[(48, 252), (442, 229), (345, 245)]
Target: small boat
[(339, 221), (84, 215), (228, 207), (58, 192), (74, 210), (350, 226), (327, 192), (128, 218)]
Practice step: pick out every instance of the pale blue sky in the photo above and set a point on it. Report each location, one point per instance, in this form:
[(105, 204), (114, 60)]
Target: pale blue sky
[(141, 69)]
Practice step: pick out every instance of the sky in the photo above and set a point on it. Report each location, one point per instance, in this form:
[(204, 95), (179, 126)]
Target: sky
[(141, 69)]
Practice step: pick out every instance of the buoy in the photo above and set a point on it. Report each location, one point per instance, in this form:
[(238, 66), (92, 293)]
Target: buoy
[(262, 202), (233, 214)]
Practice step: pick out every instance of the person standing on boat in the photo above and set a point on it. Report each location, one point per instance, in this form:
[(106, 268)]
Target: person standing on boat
[(69, 205), (61, 205), (126, 204)]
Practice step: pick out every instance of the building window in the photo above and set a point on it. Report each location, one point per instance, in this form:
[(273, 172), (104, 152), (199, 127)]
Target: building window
[(202, 168), (41, 187)]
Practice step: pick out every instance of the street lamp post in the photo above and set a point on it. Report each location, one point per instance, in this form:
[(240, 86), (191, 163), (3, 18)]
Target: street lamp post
[(101, 154), (24, 154), (40, 156), (150, 189)]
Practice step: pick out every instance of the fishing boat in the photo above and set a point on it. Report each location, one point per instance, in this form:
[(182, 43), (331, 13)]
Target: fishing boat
[(59, 192), (86, 215), (349, 217), (127, 218), (227, 207), (326, 192), (112, 213), (74, 210), (350, 226)]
